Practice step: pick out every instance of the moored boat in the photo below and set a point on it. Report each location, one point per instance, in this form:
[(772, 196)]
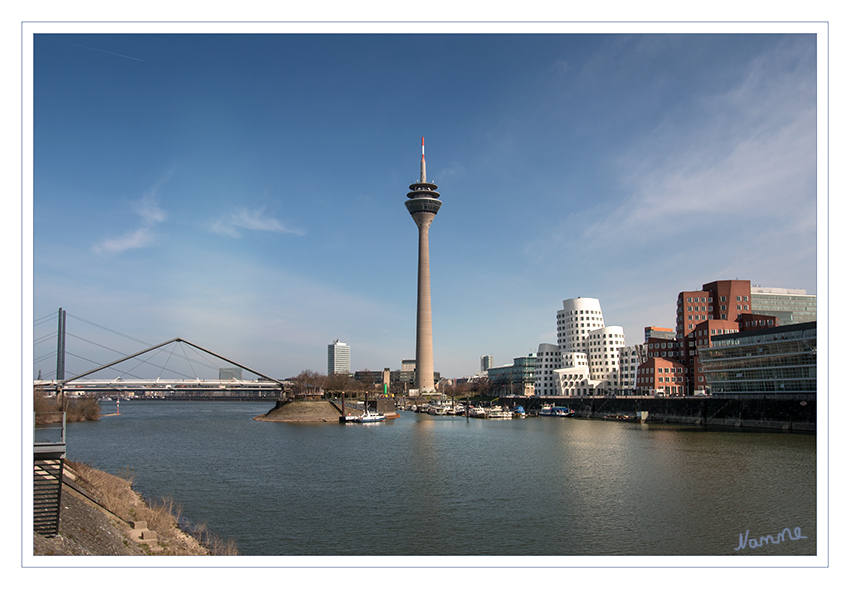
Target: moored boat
[(477, 412), (369, 417), (562, 412), (498, 412)]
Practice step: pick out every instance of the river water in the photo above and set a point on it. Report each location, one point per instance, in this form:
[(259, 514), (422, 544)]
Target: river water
[(422, 485)]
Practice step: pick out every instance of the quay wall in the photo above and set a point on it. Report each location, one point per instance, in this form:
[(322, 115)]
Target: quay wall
[(772, 414)]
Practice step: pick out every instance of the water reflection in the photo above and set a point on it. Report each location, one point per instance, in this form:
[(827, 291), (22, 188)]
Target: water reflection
[(422, 485)]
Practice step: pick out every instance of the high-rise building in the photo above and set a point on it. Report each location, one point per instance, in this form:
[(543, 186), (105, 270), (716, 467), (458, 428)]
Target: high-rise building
[(423, 202), (725, 307), (587, 359), (486, 363), (339, 358)]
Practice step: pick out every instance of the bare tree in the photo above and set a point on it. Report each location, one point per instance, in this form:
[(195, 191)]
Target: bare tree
[(307, 383)]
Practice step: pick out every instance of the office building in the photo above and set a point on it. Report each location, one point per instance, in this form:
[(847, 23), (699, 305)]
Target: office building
[(514, 379), (586, 359), (788, 305), (778, 362), (726, 307), (339, 358)]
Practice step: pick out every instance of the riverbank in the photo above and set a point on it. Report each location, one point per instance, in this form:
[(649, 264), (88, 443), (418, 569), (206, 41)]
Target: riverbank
[(50, 410), (102, 515), (303, 411)]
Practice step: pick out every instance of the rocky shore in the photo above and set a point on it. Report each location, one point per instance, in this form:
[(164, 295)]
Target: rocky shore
[(102, 515)]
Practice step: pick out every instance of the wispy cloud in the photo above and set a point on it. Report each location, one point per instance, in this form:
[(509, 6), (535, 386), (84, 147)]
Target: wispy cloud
[(148, 209), (150, 213), (252, 220), (140, 238), (730, 166)]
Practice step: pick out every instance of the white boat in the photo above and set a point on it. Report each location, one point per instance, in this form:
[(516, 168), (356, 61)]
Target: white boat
[(546, 410), (477, 412), (437, 410), (365, 417), (369, 417), (498, 413)]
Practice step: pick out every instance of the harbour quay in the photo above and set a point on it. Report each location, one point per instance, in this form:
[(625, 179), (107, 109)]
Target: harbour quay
[(767, 413)]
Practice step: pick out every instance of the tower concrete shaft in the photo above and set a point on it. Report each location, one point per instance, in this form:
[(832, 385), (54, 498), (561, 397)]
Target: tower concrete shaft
[(423, 203)]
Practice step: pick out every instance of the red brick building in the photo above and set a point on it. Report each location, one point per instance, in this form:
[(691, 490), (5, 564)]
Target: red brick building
[(721, 299), (749, 321), (700, 338), (721, 307), (660, 375)]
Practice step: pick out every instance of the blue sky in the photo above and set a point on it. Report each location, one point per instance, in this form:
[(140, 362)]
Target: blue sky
[(246, 192)]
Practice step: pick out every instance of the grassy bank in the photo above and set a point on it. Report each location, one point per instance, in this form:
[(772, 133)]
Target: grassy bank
[(98, 509)]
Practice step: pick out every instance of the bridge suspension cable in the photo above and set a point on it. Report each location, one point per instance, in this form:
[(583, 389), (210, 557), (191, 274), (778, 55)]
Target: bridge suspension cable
[(44, 338), (124, 335), (44, 319)]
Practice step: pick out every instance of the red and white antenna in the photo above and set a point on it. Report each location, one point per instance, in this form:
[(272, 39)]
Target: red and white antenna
[(422, 164)]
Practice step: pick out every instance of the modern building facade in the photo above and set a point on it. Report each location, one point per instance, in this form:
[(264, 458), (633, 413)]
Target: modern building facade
[(662, 376), (726, 307), (588, 358), (339, 358), (722, 299), (423, 202), (486, 363), (514, 379), (778, 362), (788, 305)]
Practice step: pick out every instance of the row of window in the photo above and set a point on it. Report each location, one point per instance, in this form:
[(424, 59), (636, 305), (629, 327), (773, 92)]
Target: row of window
[(649, 379), (661, 370)]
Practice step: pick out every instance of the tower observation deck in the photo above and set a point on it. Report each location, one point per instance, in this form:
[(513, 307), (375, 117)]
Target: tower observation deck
[(422, 204)]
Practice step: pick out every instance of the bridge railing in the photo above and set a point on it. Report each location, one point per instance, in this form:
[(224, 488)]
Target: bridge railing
[(49, 436)]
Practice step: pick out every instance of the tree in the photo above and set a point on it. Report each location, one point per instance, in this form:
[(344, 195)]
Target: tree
[(338, 383), (308, 382)]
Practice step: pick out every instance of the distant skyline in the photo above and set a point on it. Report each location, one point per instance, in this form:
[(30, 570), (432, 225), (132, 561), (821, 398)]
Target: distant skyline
[(246, 192)]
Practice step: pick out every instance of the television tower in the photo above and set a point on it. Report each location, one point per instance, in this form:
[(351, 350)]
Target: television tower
[(423, 203)]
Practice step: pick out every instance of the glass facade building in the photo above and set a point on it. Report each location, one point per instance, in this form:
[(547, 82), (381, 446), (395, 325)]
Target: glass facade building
[(780, 362), (515, 379), (786, 304)]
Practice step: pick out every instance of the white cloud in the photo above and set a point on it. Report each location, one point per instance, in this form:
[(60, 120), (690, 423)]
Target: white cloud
[(254, 220), (728, 168), (148, 209), (141, 237), (150, 213)]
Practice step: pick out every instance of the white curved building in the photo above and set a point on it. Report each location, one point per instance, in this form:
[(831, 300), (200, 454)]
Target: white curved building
[(586, 360)]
